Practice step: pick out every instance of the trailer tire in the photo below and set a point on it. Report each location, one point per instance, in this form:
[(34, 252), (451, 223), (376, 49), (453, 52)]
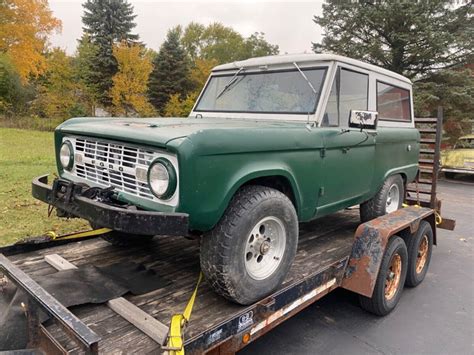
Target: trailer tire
[(420, 247), (379, 204), (249, 252), (450, 175), (121, 239), (390, 280)]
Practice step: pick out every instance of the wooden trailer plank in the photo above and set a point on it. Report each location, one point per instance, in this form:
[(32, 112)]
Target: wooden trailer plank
[(321, 242), (143, 321)]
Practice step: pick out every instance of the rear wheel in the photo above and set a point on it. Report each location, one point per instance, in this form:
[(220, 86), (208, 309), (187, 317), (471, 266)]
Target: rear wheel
[(249, 252), (388, 199), (122, 239), (390, 279), (419, 246)]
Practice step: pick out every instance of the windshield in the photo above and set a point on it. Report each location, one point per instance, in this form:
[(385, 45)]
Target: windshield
[(466, 143), (285, 91)]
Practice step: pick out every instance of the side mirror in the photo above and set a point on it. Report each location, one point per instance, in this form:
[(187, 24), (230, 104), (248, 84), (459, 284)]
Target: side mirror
[(363, 119)]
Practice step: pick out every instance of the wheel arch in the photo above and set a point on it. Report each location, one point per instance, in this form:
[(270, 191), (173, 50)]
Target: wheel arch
[(408, 173), (279, 179)]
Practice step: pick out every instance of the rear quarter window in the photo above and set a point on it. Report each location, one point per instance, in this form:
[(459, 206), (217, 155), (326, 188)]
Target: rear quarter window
[(393, 103)]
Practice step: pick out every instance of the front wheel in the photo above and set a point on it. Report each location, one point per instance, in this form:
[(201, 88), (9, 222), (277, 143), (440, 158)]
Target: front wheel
[(388, 199), (249, 252)]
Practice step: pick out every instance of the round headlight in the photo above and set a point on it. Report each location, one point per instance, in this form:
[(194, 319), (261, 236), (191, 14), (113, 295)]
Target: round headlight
[(162, 178), (66, 155)]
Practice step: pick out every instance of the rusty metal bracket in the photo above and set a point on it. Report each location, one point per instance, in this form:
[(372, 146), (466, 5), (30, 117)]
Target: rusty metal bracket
[(370, 241)]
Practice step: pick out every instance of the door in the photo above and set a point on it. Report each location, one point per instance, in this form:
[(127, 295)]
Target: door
[(348, 156)]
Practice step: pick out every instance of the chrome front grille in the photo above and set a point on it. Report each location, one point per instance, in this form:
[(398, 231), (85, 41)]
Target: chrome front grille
[(113, 164)]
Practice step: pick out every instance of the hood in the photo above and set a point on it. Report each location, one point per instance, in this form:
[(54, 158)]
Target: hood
[(161, 131)]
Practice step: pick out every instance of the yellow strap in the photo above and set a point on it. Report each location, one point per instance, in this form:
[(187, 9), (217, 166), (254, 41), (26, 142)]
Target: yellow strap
[(407, 205), (175, 337), (190, 305), (55, 236)]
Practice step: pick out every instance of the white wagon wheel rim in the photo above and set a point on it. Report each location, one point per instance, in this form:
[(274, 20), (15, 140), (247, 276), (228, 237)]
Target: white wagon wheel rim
[(393, 199), (265, 247)]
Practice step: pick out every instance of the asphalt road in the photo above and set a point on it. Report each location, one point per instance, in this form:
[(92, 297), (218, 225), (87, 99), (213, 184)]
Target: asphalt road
[(434, 318)]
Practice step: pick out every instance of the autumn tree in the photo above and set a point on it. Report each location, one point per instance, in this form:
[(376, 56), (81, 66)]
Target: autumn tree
[(106, 22), (170, 71), (58, 93), (129, 89), (200, 72), (180, 107), (25, 26)]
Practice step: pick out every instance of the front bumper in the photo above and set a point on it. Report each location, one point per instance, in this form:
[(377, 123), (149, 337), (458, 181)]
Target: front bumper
[(67, 197), (458, 170)]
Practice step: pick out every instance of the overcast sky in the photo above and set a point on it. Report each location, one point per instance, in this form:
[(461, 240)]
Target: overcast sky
[(286, 23)]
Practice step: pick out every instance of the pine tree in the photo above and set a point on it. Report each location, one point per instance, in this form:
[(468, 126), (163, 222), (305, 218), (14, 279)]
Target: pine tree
[(170, 71), (107, 22), (430, 42), (412, 38), (84, 59)]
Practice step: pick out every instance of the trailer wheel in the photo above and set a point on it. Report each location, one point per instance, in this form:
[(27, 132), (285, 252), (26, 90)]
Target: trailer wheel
[(390, 280), (449, 175), (419, 246), (388, 199), (121, 239), (249, 252)]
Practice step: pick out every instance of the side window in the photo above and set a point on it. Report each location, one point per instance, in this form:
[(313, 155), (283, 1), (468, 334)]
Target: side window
[(393, 103), (349, 91)]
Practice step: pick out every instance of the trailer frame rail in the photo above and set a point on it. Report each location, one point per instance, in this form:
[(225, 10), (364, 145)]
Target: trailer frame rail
[(38, 299)]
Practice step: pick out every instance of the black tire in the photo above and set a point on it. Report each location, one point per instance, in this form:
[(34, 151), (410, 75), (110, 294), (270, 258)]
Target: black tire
[(121, 239), (379, 304), (376, 206), (450, 175), (223, 249), (422, 237)]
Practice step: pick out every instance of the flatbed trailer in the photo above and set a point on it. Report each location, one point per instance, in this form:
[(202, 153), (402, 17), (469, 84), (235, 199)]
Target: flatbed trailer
[(333, 252)]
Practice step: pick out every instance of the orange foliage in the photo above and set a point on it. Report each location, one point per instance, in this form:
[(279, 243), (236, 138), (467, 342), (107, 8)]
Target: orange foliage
[(200, 72), (129, 90), (24, 29)]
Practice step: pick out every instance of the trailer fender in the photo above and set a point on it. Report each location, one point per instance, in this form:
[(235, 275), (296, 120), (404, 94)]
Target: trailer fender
[(370, 241)]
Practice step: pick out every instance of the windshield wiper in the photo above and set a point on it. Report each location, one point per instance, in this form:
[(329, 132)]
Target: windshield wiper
[(231, 81), (305, 78)]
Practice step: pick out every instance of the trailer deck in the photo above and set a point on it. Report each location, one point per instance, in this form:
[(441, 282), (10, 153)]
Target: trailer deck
[(332, 252), (323, 244)]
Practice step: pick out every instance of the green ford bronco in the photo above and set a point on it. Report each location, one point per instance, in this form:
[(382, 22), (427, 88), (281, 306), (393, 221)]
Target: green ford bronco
[(270, 142)]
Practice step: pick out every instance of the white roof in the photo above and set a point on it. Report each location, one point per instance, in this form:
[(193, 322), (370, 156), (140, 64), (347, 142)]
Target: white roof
[(307, 58)]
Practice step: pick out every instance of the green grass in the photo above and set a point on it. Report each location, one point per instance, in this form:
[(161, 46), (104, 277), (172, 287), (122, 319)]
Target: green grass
[(25, 154)]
